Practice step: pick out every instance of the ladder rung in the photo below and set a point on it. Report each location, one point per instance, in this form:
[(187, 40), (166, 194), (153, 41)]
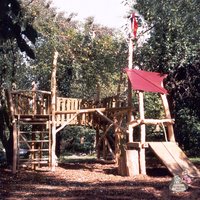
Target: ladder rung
[(36, 132), (30, 141), (37, 150), (33, 122), (36, 159), (35, 162)]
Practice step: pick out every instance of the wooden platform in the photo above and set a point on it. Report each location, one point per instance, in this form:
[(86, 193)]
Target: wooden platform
[(174, 158)]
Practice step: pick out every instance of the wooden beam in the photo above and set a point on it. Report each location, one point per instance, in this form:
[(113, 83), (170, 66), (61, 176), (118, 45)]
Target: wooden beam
[(105, 132), (53, 109), (118, 146), (28, 91), (34, 103), (15, 149), (97, 141), (168, 116), (142, 135), (24, 139), (66, 123), (151, 121), (109, 120), (136, 145), (109, 148)]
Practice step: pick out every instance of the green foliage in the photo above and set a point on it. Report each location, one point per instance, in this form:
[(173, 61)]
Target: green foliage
[(173, 48), (174, 33), (77, 139), (90, 56), (14, 26), (153, 110), (188, 130)]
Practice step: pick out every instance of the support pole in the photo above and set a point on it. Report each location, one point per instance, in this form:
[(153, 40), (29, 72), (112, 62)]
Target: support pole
[(14, 165), (53, 109), (118, 134), (130, 66), (142, 135), (97, 142), (131, 155), (170, 128)]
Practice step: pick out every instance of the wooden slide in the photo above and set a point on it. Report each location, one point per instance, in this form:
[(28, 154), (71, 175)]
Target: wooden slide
[(174, 158)]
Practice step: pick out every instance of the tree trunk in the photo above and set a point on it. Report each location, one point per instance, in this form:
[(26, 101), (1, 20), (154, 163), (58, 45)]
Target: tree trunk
[(7, 139)]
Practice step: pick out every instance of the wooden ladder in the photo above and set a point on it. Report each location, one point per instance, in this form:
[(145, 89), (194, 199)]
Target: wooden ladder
[(34, 134)]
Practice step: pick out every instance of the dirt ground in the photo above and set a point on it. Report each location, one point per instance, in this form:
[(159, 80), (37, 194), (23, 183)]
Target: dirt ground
[(91, 180)]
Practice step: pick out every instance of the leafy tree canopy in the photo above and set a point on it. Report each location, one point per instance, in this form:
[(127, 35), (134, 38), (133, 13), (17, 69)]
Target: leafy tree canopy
[(173, 48), (14, 26)]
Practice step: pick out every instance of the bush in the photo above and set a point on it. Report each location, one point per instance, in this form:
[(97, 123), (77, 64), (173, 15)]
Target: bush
[(76, 139)]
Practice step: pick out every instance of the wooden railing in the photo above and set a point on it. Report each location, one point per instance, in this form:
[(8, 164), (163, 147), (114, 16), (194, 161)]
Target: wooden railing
[(68, 109), (37, 102), (113, 102), (27, 102)]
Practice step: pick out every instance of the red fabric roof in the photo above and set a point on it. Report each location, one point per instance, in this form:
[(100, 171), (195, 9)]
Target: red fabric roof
[(146, 81)]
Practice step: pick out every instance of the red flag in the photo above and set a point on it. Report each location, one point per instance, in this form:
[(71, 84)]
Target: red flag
[(134, 25)]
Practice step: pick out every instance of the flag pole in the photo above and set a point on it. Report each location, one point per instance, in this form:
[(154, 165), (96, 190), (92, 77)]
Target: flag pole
[(130, 66), (132, 155), (132, 35)]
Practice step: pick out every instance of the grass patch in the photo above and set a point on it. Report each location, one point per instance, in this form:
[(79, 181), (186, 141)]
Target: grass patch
[(77, 158), (195, 160)]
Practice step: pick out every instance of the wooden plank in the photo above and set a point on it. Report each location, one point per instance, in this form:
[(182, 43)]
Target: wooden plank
[(182, 159), (163, 154), (174, 158), (132, 164), (134, 145)]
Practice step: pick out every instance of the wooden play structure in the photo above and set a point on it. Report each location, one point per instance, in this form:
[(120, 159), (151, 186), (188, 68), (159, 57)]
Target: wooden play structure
[(39, 115)]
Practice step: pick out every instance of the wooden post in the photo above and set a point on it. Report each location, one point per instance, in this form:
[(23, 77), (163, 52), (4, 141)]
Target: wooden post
[(118, 133), (14, 124), (104, 144), (53, 109), (14, 166), (170, 128), (98, 92), (132, 162), (97, 141), (142, 135), (130, 66), (34, 98), (33, 153)]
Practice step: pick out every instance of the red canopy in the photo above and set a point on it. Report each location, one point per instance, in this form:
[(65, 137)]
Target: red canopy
[(146, 81)]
